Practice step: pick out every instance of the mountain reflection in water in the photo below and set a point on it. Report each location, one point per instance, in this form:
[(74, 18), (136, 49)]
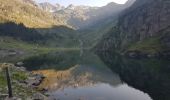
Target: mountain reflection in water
[(151, 76), (70, 76), (78, 76)]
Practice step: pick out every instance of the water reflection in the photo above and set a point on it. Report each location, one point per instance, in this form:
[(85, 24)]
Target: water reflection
[(149, 75), (78, 76), (100, 92), (70, 76), (62, 60)]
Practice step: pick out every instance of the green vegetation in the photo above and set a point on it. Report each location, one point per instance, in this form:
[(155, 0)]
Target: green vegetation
[(19, 31), (23, 50), (20, 76), (10, 43), (2, 80), (151, 45), (22, 92), (94, 34), (19, 90), (58, 36), (62, 60), (24, 21)]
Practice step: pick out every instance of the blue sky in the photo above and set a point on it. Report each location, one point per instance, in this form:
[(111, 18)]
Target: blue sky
[(83, 2)]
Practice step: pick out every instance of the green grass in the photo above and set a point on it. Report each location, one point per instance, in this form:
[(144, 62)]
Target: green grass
[(10, 43), (18, 90), (22, 92), (3, 83), (19, 76), (151, 45), (27, 49), (2, 80)]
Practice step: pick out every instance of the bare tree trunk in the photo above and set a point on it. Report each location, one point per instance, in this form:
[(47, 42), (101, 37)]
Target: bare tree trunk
[(8, 83)]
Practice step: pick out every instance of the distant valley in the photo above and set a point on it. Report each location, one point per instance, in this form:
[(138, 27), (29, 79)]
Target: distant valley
[(81, 17), (54, 25), (132, 27)]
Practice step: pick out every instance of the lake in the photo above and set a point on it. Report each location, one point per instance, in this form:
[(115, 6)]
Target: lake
[(74, 75)]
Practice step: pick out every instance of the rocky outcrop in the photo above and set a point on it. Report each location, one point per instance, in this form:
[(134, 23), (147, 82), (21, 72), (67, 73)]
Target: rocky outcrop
[(24, 83), (28, 13), (145, 21), (34, 80), (145, 25), (50, 8)]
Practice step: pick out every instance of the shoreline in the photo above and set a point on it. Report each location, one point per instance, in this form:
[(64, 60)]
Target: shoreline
[(24, 84)]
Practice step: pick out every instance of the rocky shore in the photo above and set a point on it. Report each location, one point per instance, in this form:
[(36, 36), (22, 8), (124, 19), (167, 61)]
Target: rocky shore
[(24, 83)]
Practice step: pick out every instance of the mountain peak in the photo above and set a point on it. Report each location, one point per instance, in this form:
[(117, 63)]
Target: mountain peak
[(31, 2), (46, 3), (50, 7), (71, 6), (112, 3), (57, 5), (130, 2)]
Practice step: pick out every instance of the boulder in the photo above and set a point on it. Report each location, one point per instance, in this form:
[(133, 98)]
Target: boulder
[(34, 80), (38, 96), (133, 54), (19, 64)]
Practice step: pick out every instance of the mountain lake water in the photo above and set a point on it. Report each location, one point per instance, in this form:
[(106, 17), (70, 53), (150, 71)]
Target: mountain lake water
[(71, 75)]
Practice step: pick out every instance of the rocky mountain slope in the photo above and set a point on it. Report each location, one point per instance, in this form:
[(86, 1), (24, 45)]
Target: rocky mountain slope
[(23, 83), (91, 22), (142, 29), (51, 8), (82, 17), (26, 12), (24, 20), (50, 25)]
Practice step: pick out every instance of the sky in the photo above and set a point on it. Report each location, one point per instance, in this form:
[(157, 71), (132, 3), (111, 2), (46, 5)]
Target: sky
[(98, 3)]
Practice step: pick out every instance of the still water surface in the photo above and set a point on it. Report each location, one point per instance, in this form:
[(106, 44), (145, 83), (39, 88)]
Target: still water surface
[(74, 76)]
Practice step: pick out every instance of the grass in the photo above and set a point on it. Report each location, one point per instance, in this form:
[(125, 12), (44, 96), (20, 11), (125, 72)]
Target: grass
[(22, 92), (3, 83), (2, 80), (151, 45), (19, 76), (10, 43), (18, 90)]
